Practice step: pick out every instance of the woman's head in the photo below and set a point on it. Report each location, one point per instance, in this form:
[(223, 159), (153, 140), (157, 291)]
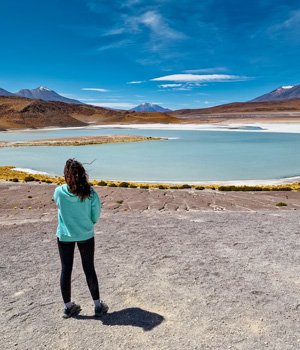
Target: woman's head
[(77, 179)]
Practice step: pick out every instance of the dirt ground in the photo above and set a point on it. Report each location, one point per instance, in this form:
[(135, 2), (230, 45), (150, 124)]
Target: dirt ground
[(180, 269)]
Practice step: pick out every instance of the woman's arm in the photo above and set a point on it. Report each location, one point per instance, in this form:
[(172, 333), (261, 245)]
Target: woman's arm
[(55, 196), (96, 207)]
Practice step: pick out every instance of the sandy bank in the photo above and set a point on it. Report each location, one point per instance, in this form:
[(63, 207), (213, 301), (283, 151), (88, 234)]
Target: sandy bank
[(257, 182), (78, 141)]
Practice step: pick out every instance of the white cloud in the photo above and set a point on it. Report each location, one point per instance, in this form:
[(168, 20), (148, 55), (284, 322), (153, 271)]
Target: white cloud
[(95, 89), (157, 24), (191, 78), (115, 105), (114, 31), (165, 86), (136, 82), (160, 33)]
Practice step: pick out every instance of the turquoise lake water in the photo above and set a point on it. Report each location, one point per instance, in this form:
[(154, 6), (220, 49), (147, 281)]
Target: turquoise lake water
[(190, 155)]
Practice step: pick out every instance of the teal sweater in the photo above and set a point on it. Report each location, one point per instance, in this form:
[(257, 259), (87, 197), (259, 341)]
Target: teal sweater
[(76, 219)]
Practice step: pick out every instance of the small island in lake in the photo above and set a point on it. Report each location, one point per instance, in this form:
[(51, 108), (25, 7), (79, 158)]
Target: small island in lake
[(80, 140)]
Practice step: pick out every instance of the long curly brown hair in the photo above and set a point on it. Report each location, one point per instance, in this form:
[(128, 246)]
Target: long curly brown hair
[(77, 179)]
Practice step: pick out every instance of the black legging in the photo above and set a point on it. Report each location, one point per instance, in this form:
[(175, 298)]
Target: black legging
[(66, 252)]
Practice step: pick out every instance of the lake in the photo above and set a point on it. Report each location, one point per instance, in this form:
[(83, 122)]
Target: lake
[(189, 155)]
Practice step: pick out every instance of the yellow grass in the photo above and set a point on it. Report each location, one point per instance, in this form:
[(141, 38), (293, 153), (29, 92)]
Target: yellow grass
[(7, 173)]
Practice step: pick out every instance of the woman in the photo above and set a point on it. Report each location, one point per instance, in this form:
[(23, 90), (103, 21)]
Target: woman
[(78, 210)]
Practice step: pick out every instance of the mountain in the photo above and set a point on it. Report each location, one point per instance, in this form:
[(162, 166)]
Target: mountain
[(5, 93), (45, 94), (244, 109), (282, 93), (149, 107), (20, 113)]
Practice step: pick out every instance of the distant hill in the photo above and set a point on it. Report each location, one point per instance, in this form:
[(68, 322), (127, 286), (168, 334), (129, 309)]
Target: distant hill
[(282, 93), (45, 94), (40, 93), (150, 107), (19, 113), (243, 107), (5, 93)]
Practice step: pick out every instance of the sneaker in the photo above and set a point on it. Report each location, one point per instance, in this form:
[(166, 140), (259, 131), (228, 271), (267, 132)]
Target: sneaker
[(70, 311), (101, 310)]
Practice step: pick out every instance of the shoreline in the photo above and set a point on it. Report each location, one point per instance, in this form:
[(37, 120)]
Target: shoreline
[(278, 127), (255, 182), (250, 182)]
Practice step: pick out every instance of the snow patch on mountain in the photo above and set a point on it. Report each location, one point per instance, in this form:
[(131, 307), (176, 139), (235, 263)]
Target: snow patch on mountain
[(45, 94), (286, 92)]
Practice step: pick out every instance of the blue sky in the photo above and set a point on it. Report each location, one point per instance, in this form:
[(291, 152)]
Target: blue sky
[(179, 54)]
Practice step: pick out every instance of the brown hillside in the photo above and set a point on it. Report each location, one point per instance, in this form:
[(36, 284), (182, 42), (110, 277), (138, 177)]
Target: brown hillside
[(244, 107), (18, 113)]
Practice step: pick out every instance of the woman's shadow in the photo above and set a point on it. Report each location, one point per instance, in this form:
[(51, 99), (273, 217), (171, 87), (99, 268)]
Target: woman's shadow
[(133, 316)]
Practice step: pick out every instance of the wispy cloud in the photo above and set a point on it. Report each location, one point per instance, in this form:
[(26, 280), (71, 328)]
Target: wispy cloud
[(179, 87), (115, 45), (95, 89), (289, 27), (201, 78), (165, 86), (136, 82), (160, 33), (113, 32), (157, 24), (132, 22)]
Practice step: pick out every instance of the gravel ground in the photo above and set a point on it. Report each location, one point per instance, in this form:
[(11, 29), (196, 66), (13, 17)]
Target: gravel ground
[(179, 270)]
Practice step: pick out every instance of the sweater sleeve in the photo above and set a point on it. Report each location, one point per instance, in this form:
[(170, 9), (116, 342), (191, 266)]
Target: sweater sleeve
[(96, 207)]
